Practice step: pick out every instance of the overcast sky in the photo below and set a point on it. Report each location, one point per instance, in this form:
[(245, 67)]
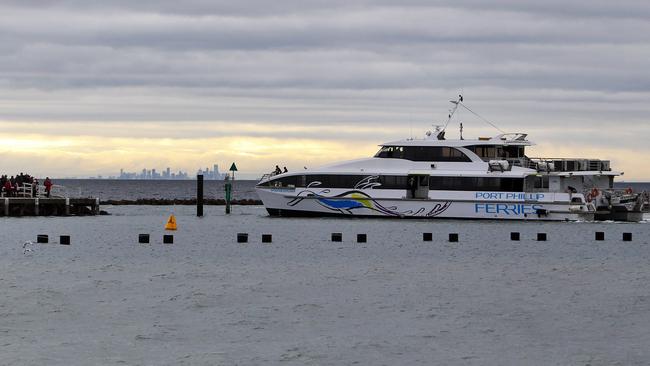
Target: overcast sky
[(89, 87)]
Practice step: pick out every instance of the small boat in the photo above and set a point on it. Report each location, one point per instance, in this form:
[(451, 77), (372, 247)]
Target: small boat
[(433, 177)]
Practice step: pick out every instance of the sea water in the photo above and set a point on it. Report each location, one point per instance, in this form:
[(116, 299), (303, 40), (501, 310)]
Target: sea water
[(124, 189), (302, 299)]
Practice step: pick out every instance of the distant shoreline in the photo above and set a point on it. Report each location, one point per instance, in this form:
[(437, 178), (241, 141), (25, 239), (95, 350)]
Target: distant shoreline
[(156, 180), (186, 202)]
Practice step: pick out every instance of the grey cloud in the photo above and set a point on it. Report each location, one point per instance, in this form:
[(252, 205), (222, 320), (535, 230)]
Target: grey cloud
[(370, 28), (592, 8), (337, 62)]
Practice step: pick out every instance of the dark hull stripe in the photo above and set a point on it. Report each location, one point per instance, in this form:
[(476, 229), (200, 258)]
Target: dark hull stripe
[(297, 213)]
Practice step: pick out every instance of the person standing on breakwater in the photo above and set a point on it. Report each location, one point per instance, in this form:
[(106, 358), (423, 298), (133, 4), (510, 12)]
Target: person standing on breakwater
[(34, 187), (7, 187), (14, 186), (48, 186)]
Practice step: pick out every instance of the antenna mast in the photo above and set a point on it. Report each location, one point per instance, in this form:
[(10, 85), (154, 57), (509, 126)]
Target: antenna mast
[(456, 103)]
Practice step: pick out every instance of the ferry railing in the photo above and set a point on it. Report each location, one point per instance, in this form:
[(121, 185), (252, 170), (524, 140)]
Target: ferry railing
[(522, 162), (568, 164), (266, 176)]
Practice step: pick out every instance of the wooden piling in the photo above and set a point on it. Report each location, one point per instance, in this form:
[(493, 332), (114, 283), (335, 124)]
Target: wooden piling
[(199, 195), (64, 240)]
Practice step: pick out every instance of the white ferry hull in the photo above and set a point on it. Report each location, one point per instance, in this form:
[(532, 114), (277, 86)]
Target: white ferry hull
[(461, 205)]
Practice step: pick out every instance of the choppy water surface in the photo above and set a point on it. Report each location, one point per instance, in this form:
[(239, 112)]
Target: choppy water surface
[(115, 189), (303, 299)]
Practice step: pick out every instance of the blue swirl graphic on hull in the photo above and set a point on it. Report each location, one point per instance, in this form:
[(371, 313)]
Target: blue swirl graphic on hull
[(350, 201)]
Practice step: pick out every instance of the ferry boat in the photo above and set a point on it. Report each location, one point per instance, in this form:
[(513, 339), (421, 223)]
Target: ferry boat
[(484, 178)]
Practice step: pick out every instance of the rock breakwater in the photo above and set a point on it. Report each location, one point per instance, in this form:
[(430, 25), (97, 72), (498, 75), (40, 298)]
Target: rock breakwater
[(166, 202)]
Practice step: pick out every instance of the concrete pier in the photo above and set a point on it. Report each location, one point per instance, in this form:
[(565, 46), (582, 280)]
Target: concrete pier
[(23, 206)]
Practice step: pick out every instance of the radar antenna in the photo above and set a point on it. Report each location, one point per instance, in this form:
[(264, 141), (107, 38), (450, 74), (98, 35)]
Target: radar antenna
[(457, 103), (437, 131)]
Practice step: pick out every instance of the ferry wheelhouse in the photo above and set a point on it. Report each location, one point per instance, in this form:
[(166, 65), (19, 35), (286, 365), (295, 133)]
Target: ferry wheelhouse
[(485, 178)]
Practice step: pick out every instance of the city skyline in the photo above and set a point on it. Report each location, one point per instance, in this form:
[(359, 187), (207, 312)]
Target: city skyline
[(88, 88), (167, 173)]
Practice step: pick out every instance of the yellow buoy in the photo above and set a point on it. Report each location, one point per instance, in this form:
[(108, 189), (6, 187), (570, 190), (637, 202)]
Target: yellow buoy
[(171, 223)]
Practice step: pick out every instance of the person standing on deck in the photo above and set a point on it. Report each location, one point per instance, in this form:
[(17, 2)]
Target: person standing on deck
[(412, 186), (48, 186)]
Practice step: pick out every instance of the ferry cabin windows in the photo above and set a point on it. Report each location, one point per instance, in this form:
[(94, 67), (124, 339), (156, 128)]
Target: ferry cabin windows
[(317, 180), (423, 153), (476, 184), (497, 152), (537, 183), (400, 182), (284, 182)]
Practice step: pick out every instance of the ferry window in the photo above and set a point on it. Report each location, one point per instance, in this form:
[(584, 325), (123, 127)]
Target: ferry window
[(284, 182), (392, 182), (536, 182), (351, 181), (390, 152), (476, 184), (511, 184), (513, 152), (335, 181), (423, 153), (414, 153), (489, 152), (451, 154)]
